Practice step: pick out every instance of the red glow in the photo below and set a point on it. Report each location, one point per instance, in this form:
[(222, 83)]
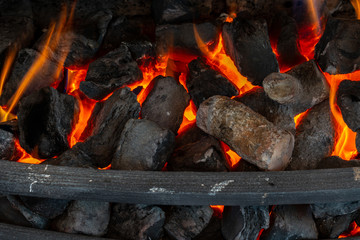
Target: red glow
[(354, 230), (218, 210)]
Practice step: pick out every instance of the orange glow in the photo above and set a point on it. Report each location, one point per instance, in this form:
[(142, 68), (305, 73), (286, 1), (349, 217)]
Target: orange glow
[(230, 17), (354, 230), (51, 42), (189, 117), (218, 210), (356, 5), (345, 138), (86, 105), (299, 117), (7, 66), (24, 156), (261, 231), (232, 157)]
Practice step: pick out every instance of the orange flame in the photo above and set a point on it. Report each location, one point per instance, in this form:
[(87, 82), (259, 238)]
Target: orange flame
[(354, 230), (232, 157), (345, 141), (356, 5), (218, 210), (299, 117), (24, 156), (7, 66)]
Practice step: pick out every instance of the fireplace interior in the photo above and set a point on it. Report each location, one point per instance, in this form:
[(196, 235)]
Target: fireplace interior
[(239, 93)]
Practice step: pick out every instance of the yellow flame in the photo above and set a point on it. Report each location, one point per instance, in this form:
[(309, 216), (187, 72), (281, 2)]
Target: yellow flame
[(356, 5)]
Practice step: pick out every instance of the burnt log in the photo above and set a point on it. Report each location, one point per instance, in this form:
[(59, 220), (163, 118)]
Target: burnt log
[(280, 115), (348, 100), (291, 222), (314, 139), (181, 38), (136, 222), (204, 82), (45, 119), (337, 52), (166, 103), (143, 145), (247, 42), (86, 217), (7, 145), (48, 75), (110, 72), (103, 132), (248, 133), (186, 222), (244, 222), (301, 88), (197, 151)]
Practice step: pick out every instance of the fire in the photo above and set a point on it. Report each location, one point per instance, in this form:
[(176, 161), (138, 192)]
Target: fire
[(354, 230), (7, 66), (24, 157), (345, 143), (299, 117), (356, 5), (218, 210)]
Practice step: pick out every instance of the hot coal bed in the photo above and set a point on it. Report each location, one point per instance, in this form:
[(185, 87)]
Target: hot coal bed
[(224, 99)]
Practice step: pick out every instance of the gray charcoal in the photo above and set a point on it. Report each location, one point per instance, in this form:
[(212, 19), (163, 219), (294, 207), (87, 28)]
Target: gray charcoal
[(337, 162), (212, 230), (357, 141), (144, 146), (314, 139), (85, 217), (136, 222), (197, 151), (46, 207), (338, 50), (248, 133), (244, 222), (321, 210), (247, 42), (186, 222), (301, 88), (10, 215), (331, 227), (46, 118), (78, 46), (7, 145), (141, 49), (165, 103), (280, 115), (26, 57), (291, 222), (181, 38), (348, 99), (204, 82), (33, 218), (112, 71), (174, 11)]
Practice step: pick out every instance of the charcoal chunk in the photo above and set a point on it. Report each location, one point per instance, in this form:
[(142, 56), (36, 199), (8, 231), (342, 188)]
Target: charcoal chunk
[(136, 222), (244, 222), (197, 151), (26, 57), (46, 118), (337, 162), (7, 145), (173, 11), (348, 99), (291, 222), (247, 42), (10, 215), (212, 230), (321, 210), (143, 145), (186, 222), (181, 38), (112, 71), (165, 103), (86, 217), (338, 50), (204, 82), (314, 139)]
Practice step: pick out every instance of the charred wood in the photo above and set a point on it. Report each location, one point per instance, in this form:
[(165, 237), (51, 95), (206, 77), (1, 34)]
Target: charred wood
[(86, 217), (46, 118), (337, 52), (314, 139), (143, 145), (244, 222), (204, 82), (165, 103), (110, 72), (247, 42), (348, 99), (186, 222), (136, 222), (22, 64), (291, 222)]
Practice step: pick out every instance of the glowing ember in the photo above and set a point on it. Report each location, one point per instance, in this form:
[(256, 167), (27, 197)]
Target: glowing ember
[(218, 210), (345, 137), (356, 5), (299, 117), (354, 230), (231, 156), (189, 117), (24, 156)]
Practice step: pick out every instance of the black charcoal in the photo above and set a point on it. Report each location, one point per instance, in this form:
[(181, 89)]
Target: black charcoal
[(7, 145)]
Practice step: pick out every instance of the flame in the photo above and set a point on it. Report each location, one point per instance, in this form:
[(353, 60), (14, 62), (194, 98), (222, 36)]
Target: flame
[(51, 42), (24, 156), (299, 117), (232, 157), (354, 230), (230, 17), (345, 141), (218, 210), (189, 117), (7, 66), (356, 5)]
